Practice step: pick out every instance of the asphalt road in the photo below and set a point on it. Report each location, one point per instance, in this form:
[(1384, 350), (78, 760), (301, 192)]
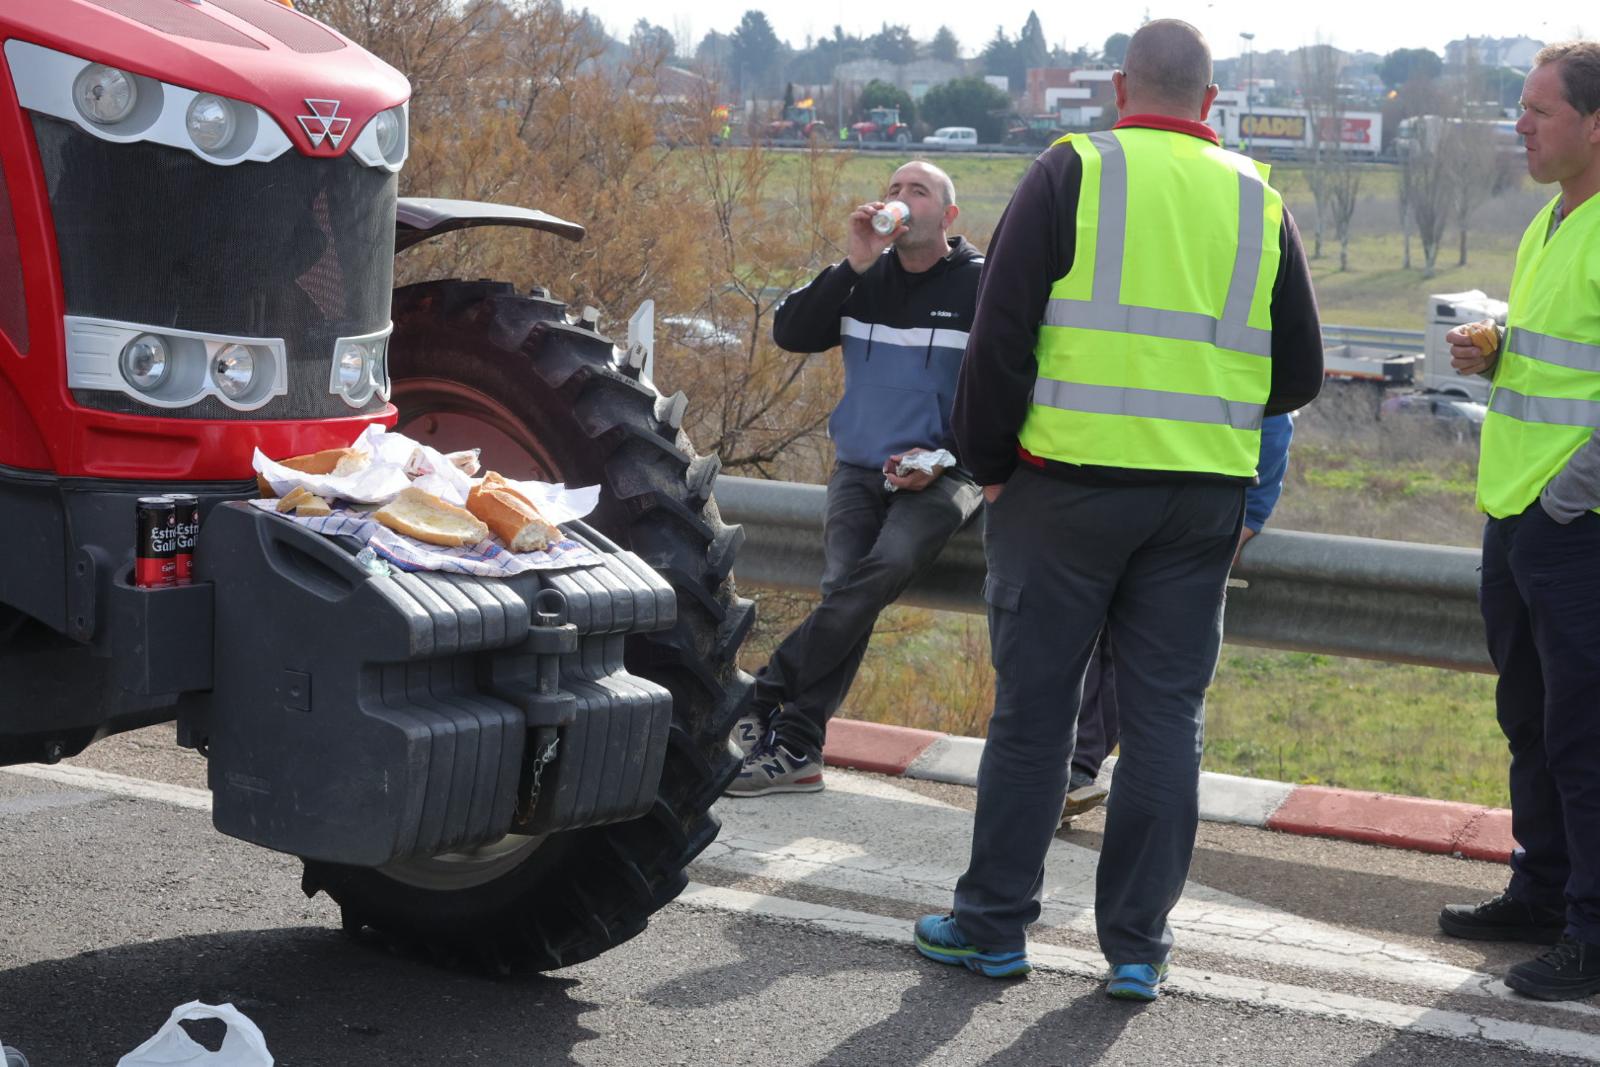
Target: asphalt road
[(790, 948)]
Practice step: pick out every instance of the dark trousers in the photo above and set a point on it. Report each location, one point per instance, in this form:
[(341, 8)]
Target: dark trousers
[(1065, 560), (874, 542), (1098, 730), (1541, 610)]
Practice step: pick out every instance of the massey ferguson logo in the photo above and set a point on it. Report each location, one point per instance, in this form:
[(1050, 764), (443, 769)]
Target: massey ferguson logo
[(323, 122)]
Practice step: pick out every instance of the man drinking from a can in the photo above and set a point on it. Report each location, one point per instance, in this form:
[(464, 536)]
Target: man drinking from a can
[(898, 306)]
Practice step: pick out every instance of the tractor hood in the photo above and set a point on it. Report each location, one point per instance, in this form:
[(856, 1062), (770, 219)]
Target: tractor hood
[(321, 88)]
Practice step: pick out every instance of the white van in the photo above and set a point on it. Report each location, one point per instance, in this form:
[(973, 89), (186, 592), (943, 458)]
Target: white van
[(953, 137)]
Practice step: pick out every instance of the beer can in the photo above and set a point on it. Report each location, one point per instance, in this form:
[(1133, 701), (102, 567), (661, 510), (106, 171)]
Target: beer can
[(155, 558), (888, 218), (187, 514)]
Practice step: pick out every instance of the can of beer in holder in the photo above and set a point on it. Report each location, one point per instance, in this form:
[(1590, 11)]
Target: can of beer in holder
[(187, 513), (888, 218), (155, 559)]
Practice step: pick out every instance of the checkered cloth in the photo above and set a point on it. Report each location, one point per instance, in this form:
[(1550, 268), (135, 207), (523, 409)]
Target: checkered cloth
[(485, 559)]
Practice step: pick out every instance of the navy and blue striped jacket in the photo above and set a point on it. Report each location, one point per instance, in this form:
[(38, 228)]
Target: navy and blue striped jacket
[(902, 335)]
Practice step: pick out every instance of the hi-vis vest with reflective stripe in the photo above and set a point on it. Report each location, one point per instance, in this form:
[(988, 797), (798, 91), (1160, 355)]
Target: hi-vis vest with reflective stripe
[(1546, 398), (1156, 348)]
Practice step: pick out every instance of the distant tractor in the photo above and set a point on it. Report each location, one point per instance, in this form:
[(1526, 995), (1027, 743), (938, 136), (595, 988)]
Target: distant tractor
[(1039, 130), (882, 124), (799, 123)]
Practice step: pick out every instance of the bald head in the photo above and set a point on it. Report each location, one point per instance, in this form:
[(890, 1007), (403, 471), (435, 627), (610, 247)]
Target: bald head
[(935, 178), (1167, 68)]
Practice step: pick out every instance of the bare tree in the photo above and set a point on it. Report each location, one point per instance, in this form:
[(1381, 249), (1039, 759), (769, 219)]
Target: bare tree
[(1333, 176), (1426, 161), (1477, 172), (527, 103), (1403, 208), (771, 223)]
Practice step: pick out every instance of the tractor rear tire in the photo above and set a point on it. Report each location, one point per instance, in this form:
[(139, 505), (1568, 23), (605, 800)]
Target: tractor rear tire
[(476, 365)]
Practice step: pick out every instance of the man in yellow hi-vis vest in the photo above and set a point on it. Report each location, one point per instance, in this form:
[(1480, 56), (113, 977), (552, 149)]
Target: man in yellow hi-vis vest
[(1145, 303), (1539, 482)]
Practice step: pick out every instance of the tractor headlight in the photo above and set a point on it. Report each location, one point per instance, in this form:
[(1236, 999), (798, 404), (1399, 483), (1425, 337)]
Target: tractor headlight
[(145, 362), (105, 95), (389, 129), (210, 121), (233, 371), (351, 371), (360, 368)]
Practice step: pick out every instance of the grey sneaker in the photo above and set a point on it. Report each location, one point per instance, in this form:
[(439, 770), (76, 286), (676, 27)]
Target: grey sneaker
[(772, 767), (1084, 793), (749, 731)]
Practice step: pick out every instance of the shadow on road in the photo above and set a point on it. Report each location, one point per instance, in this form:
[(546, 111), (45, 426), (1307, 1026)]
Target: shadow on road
[(319, 999), (1081, 1032)]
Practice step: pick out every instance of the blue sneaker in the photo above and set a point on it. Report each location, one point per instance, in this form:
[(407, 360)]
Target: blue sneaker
[(1136, 981), (938, 938)]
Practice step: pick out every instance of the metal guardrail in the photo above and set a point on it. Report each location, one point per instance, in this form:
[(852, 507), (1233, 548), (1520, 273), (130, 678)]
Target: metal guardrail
[(1344, 596), (1406, 341)]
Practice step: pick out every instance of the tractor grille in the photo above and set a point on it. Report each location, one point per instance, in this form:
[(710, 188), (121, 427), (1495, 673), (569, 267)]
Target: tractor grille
[(298, 248)]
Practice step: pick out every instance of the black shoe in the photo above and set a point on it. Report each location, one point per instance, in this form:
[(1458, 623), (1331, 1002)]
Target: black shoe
[(1503, 919), (1570, 971), (1084, 793)]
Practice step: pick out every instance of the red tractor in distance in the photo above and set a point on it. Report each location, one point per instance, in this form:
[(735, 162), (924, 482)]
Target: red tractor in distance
[(799, 123), (882, 124), (198, 225), (1034, 130)]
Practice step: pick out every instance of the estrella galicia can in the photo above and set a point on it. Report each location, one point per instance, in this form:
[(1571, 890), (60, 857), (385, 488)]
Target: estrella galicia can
[(155, 561)]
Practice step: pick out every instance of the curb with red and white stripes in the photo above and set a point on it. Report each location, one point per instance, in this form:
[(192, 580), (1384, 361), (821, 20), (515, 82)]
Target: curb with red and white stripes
[(1468, 830)]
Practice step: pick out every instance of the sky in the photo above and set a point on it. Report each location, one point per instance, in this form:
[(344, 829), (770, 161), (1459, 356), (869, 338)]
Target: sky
[(1353, 25)]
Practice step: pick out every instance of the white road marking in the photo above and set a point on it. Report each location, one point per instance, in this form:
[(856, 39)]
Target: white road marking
[(868, 835), (1210, 985), (121, 785), (34, 803), (873, 837)]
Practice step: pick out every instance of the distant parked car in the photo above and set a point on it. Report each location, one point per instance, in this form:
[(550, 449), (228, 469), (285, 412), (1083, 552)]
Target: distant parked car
[(1452, 415), (953, 137)]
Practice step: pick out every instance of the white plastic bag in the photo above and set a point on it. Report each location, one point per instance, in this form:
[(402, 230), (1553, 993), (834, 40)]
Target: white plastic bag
[(172, 1047)]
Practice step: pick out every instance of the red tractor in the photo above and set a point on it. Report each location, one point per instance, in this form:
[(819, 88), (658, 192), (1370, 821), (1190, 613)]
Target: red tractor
[(799, 123), (882, 124), (198, 219), (1036, 130)]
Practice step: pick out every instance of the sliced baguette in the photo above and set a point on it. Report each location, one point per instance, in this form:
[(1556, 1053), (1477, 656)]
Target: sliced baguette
[(427, 518), (511, 516), (294, 498), (313, 507), (335, 461)]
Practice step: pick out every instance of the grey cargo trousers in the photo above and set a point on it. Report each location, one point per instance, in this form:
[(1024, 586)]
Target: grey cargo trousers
[(875, 543), (1149, 562)]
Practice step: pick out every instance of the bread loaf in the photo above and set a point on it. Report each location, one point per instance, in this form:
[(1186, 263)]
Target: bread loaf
[(1485, 335), (427, 518), (335, 461), (511, 516)]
